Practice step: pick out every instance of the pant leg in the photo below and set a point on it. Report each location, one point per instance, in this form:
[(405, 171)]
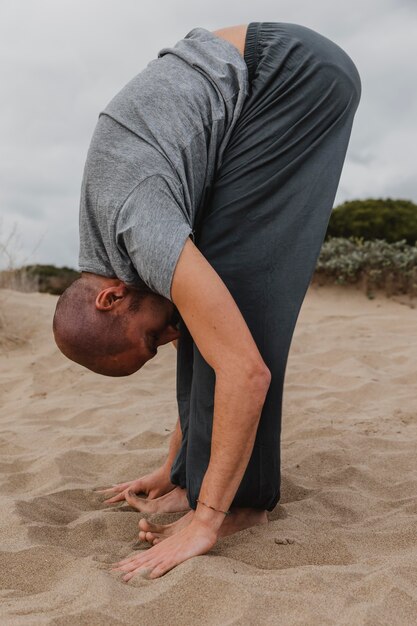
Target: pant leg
[(263, 229)]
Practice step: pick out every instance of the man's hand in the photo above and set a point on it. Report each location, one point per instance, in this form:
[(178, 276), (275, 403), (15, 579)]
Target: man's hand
[(242, 378), (153, 485), (197, 538), (242, 381)]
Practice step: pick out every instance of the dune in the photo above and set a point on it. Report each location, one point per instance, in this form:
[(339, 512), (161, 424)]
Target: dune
[(339, 548)]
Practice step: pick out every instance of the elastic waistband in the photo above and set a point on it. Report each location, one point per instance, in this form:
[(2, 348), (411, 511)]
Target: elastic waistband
[(251, 48)]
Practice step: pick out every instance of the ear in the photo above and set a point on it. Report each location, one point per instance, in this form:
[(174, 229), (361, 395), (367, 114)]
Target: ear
[(109, 298)]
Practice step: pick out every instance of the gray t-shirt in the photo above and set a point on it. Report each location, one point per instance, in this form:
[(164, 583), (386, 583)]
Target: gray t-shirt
[(154, 154)]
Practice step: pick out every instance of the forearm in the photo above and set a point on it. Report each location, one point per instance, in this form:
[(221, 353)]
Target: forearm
[(175, 441), (238, 403), (174, 446)]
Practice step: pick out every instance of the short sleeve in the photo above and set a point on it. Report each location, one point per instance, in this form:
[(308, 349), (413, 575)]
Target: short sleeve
[(152, 229)]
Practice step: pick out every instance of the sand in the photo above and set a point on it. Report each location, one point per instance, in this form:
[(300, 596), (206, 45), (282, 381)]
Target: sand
[(341, 546)]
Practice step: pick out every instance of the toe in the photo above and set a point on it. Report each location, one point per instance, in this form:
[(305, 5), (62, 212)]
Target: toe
[(150, 527), (139, 504), (143, 524)]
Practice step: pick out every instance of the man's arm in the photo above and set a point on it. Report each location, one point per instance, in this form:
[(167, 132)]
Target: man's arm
[(155, 484), (174, 446), (242, 378), (242, 382)]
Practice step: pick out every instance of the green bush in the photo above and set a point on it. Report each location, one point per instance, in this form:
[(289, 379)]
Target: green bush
[(377, 264), (43, 278), (52, 279), (392, 220)]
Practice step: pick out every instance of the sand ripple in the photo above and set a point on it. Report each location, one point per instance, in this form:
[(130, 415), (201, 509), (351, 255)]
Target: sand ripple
[(340, 547)]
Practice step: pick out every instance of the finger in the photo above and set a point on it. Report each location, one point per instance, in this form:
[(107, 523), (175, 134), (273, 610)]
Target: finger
[(161, 569), (121, 564), (119, 498), (141, 561), (131, 566), (148, 564), (144, 572), (138, 559), (115, 488), (129, 558)]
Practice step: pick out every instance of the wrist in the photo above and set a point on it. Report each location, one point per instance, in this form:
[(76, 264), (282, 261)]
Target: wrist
[(208, 516), (165, 470)]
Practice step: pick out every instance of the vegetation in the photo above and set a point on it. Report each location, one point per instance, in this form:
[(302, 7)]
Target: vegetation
[(375, 264), (43, 278), (392, 220), (372, 242)]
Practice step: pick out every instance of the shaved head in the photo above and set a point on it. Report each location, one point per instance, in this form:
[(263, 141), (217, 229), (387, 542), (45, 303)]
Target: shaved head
[(110, 327), (88, 335)]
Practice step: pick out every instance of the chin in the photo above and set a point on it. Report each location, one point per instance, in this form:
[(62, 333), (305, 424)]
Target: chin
[(105, 366), (113, 372)]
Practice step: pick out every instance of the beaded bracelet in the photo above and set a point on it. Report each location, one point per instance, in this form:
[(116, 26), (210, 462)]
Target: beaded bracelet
[(212, 507)]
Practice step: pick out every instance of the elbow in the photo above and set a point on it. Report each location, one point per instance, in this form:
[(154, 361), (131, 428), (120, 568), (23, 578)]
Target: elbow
[(249, 376), (267, 376), (256, 387), (261, 379)]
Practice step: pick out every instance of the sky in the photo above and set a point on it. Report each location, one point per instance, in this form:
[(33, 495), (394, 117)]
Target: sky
[(62, 61)]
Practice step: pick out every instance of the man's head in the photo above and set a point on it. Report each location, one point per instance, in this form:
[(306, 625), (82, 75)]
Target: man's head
[(112, 328)]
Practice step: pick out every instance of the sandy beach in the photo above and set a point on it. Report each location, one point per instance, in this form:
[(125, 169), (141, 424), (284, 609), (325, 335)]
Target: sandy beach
[(340, 547)]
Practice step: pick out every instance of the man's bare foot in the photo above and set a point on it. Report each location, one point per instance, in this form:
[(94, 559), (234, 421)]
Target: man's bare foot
[(154, 533), (239, 519), (172, 502)]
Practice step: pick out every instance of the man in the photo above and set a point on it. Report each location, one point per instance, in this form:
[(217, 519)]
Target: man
[(205, 200)]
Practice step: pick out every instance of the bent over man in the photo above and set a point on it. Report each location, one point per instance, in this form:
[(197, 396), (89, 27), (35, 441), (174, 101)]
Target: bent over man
[(205, 200)]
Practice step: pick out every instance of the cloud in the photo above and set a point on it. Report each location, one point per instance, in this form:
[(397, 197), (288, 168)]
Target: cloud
[(63, 61)]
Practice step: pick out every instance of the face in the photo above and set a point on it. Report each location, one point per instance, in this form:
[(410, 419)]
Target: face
[(149, 322)]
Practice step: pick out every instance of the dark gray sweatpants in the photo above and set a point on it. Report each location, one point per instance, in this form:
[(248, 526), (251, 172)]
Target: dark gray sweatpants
[(262, 229)]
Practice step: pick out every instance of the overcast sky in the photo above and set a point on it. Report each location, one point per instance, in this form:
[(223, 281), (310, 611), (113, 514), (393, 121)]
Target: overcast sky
[(62, 61)]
